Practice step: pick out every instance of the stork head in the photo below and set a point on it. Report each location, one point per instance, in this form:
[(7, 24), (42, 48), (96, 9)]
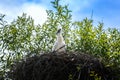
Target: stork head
[(59, 31)]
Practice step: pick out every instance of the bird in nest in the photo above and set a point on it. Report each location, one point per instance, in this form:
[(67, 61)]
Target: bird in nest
[(59, 45)]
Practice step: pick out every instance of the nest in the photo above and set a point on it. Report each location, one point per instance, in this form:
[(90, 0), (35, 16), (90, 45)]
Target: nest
[(68, 66)]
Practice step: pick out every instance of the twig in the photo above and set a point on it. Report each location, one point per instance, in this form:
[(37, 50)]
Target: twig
[(58, 49)]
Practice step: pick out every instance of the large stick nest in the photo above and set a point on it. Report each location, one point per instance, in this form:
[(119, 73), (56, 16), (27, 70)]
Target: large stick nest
[(68, 66)]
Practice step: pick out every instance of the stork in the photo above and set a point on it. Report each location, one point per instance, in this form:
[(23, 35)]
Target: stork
[(59, 45)]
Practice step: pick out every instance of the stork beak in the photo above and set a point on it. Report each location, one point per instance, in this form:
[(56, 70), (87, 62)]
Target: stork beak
[(59, 30)]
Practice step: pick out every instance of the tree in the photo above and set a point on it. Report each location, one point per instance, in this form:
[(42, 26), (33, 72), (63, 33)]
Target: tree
[(22, 37)]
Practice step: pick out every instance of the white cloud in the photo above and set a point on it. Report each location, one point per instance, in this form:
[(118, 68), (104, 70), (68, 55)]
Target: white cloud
[(80, 10), (37, 12)]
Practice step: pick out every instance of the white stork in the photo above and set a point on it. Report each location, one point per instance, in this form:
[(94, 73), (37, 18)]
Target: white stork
[(59, 45)]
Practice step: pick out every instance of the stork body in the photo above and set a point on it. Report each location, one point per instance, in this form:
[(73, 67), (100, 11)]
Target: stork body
[(59, 45)]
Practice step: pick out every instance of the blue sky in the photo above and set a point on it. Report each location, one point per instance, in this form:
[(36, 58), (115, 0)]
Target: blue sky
[(107, 11)]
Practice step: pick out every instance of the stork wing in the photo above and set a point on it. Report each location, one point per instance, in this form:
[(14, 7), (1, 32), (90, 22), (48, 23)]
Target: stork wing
[(55, 47)]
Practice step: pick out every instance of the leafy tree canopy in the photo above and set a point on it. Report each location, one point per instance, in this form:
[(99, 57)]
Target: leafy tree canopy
[(22, 37)]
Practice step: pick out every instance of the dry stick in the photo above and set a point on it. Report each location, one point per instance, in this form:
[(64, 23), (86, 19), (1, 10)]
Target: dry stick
[(58, 49)]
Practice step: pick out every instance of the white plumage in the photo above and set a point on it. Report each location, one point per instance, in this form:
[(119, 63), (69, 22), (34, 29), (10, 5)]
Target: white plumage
[(59, 45)]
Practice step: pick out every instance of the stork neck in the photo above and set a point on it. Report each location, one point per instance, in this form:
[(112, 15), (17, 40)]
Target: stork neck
[(60, 37)]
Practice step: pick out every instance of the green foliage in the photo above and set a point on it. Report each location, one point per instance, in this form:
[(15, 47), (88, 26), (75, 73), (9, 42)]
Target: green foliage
[(97, 41), (92, 73), (22, 37), (70, 77)]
